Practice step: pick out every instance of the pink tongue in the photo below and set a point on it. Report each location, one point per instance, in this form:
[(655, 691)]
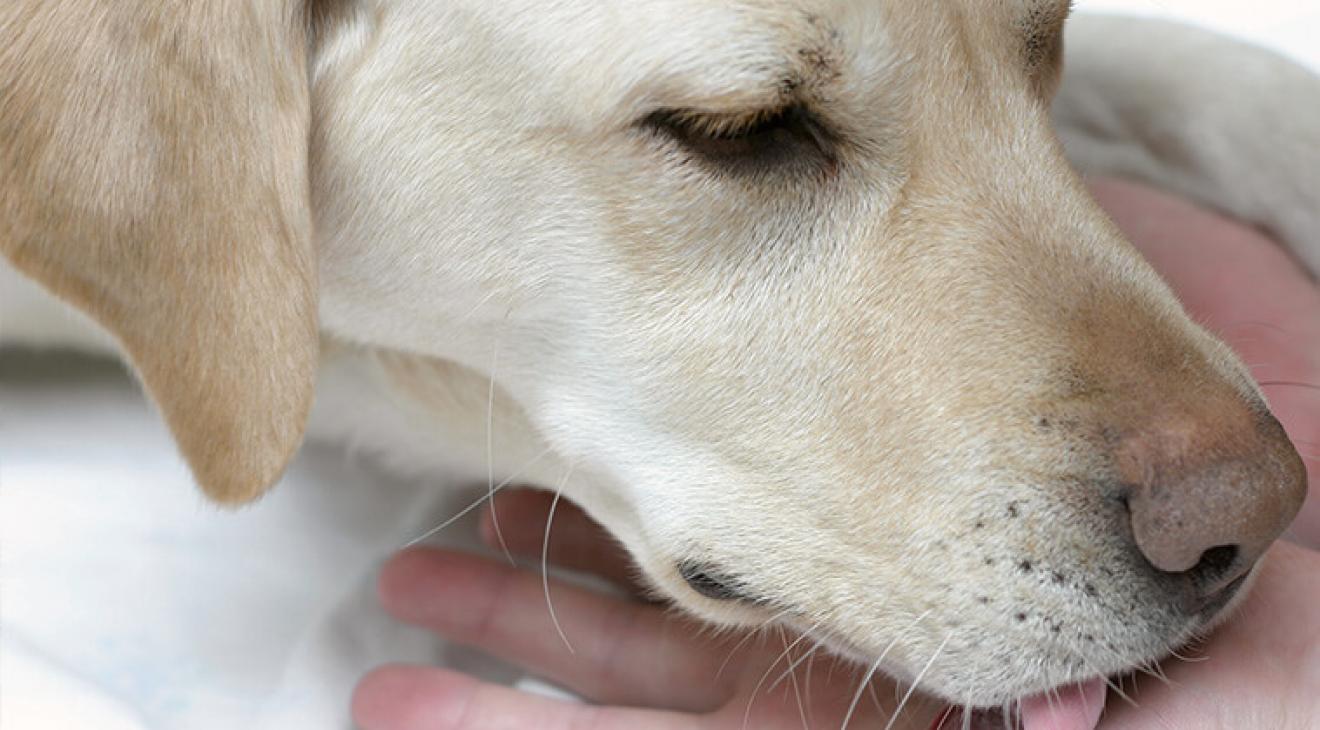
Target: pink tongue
[(1076, 707)]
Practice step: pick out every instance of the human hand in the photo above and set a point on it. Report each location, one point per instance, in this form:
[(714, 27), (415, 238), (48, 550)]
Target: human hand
[(1262, 668), (649, 670), (641, 665)]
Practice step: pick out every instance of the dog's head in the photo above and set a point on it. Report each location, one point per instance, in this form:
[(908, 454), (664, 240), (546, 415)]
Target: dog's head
[(804, 291)]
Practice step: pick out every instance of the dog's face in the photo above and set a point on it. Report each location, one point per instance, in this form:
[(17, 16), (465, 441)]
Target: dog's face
[(825, 324), (808, 298)]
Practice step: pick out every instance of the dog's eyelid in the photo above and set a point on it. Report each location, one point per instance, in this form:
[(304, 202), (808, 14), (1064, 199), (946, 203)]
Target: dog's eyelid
[(713, 122), (712, 583), (764, 137)]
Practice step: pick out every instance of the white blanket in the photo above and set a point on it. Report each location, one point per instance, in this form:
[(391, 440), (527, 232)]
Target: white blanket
[(126, 601)]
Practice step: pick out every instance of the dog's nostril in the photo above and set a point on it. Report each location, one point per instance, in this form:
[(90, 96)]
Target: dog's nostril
[(1207, 489), (1204, 498), (710, 583), (1214, 564)]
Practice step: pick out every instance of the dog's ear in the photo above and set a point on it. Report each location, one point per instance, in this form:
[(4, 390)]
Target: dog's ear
[(153, 172)]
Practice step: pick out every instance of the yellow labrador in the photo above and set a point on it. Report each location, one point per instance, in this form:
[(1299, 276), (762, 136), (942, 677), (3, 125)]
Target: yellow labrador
[(801, 299)]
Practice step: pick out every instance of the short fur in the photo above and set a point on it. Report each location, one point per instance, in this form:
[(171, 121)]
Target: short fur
[(883, 394)]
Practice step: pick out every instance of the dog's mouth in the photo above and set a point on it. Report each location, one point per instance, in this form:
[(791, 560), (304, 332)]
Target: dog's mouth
[(1074, 707), (1077, 705)]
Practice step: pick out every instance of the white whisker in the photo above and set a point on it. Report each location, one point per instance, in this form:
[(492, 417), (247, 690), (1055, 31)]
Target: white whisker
[(874, 666), (490, 452), (545, 558), (811, 665), (752, 633), (866, 679), (1117, 689), (796, 662), (929, 663), (747, 714), (797, 690), (477, 503), (875, 698), (1086, 706), (1188, 659)]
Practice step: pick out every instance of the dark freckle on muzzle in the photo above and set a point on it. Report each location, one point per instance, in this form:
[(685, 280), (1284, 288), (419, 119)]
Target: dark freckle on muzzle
[(711, 583)]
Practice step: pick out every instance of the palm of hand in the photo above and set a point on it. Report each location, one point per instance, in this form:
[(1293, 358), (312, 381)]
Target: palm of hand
[(625, 655)]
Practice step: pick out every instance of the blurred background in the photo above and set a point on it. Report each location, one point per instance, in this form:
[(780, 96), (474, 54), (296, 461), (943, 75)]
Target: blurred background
[(1291, 27)]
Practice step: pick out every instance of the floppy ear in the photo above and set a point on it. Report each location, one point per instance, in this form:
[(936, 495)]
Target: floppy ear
[(153, 172)]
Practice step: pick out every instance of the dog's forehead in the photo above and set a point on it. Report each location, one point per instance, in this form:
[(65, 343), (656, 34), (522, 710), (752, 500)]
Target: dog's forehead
[(726, 55), (618, 60)]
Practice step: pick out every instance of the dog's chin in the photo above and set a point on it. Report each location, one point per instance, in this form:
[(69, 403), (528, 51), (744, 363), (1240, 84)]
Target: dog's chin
[(1037, 684), (987, 700)]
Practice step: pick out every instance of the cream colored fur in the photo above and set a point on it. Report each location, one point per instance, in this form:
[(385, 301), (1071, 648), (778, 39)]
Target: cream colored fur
[(871, 394)]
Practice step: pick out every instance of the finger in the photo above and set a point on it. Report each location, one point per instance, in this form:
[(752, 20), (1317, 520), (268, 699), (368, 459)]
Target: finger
[(576, 541), (623, 652), (1253, 671), (424, 698)]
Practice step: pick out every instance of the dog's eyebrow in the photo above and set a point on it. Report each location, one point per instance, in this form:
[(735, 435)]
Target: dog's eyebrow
[(778, 58), (752, 92)]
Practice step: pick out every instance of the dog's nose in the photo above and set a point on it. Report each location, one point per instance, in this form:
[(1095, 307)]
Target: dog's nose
[(1208, 495)]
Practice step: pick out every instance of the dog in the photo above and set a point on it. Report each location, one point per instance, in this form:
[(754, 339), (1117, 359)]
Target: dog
[(803, 301)]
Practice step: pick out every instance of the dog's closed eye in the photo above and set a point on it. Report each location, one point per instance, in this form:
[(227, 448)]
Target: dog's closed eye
[(753, 143), (709, 582)]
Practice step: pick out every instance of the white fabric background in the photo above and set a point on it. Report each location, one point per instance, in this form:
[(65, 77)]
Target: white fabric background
[(128, 602)]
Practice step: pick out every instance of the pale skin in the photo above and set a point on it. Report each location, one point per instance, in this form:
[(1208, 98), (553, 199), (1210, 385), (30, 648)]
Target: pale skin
[(644, 668)]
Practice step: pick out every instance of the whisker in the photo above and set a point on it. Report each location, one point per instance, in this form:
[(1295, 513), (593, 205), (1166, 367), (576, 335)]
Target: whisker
[(866, 679), (490, 452), (751, 700), (807, 680), (545, 558), (852, 708), (875, 698), (1255, 323), (1287, 384), (751, 634), (1158, 670), (920, 675), (1188, 659), (1108, 682), (796, 663), (914, 622), (1118, 690), (797, 691), (1086, 706), (491, 493)]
